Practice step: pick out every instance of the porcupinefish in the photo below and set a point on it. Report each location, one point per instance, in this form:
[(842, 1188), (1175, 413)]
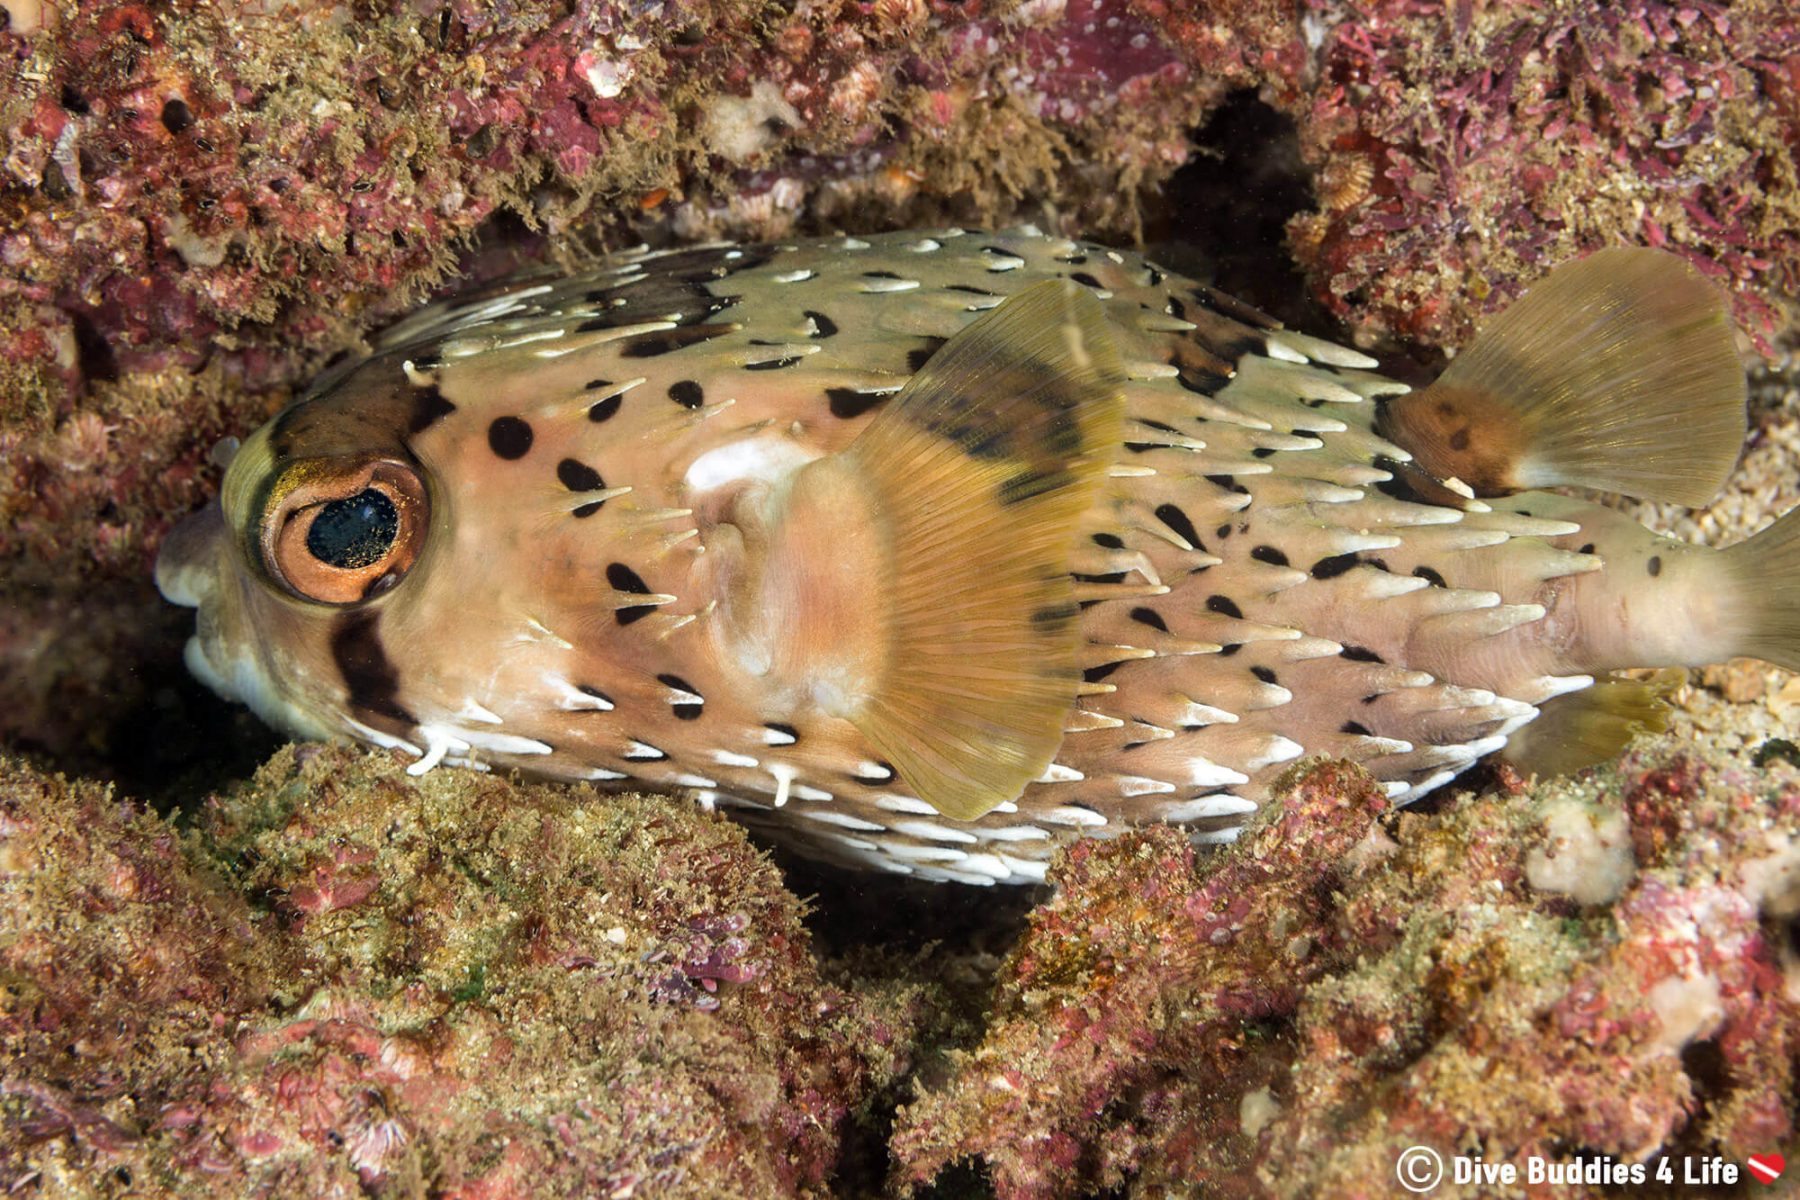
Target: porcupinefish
[(931, 550)]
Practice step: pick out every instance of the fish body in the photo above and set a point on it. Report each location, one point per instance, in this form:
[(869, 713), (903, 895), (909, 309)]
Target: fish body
[(756, 522)]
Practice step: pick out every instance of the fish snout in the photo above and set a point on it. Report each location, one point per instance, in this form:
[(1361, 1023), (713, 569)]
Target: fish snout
[(187, 569)]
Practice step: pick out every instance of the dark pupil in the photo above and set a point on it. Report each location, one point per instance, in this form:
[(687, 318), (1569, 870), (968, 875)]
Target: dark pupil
[(353, 532)]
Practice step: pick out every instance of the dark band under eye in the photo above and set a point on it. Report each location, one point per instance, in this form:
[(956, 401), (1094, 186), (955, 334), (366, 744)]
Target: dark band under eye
[(353, 532)]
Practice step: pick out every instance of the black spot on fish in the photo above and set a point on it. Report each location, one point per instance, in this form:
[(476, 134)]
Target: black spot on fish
[(1229, 649), (1202, 382), (1263, 673), (1654, 566), (429, 407), (1150, 617), (823, 326), (578, 476), (1225, 606), (370, 680), (595, 692), (1460, 439), (1333, 566), (687, 393), (1179, 525), (684, 710), (1111, 541), (1154, 277), (786, 730), (1074, 260), (651, 345), (1430, 576), (1356, 728), (772, 364), (509, 437), (1360, 654), (1270, 555), (1176, 308), (1396, 485), (624, 579), (1263, 451), (1163, 426), (970, 289), (1054, 616), (1587, 549), (1096, 674), (1223, 531), (606, 409), (879, 275), (848, 402), (1145, 447), (1110, 577), (916, 359), (1086, 280)]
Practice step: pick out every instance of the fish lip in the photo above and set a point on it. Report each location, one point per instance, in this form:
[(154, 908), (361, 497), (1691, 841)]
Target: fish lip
[(185, 567)]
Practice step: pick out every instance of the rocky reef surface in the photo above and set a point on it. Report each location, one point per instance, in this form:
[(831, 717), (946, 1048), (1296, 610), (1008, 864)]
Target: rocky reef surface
[(313, 974)]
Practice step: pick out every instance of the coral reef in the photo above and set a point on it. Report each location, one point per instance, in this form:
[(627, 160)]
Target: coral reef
[(339, 980), (349, 981), (1462, 149), (1598, 966)]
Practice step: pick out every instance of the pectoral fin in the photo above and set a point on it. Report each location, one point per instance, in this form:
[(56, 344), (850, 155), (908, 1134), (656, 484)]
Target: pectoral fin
[(978, 473)]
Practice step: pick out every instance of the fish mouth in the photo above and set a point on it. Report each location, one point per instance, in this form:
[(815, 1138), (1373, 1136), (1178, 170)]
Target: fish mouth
[(186, 568)]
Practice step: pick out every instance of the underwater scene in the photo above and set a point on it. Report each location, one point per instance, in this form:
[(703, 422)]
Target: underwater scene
[(917, 599)]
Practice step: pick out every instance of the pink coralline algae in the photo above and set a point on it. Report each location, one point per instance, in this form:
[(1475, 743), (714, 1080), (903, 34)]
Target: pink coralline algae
[(353, 983), (1462, 149), (1168, 1023)]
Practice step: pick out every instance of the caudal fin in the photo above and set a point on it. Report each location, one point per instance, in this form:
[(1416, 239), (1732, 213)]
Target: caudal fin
[(1765, 574), (980, 470), (1618, 372)]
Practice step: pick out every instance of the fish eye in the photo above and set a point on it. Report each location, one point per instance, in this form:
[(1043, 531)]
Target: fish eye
[(351, 534), (343, 532)]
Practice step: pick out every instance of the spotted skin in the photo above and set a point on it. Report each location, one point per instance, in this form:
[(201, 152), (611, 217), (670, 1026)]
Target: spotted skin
[(1263, 578)]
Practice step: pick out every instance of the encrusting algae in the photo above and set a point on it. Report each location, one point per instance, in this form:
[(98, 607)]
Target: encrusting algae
[(347, 981), (931, 550)]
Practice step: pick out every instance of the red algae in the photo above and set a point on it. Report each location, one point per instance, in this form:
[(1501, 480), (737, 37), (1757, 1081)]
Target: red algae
[(1289, 1017), (1464, 149)]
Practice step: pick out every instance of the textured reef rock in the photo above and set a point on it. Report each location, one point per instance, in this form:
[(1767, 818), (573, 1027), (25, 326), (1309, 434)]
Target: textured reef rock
[(1463, 148), (339, 980), (1603, 967), (352, 982)]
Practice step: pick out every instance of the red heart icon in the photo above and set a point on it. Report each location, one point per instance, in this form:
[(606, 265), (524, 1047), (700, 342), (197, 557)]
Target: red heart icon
[(1766, 1168)]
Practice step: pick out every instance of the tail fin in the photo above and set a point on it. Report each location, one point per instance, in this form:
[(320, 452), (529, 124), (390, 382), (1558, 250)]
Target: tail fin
[(1618, 372), (1766, 569)]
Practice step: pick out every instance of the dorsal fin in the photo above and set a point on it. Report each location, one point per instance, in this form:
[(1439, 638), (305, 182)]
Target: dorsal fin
[(967, 490), (1618, 372)]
